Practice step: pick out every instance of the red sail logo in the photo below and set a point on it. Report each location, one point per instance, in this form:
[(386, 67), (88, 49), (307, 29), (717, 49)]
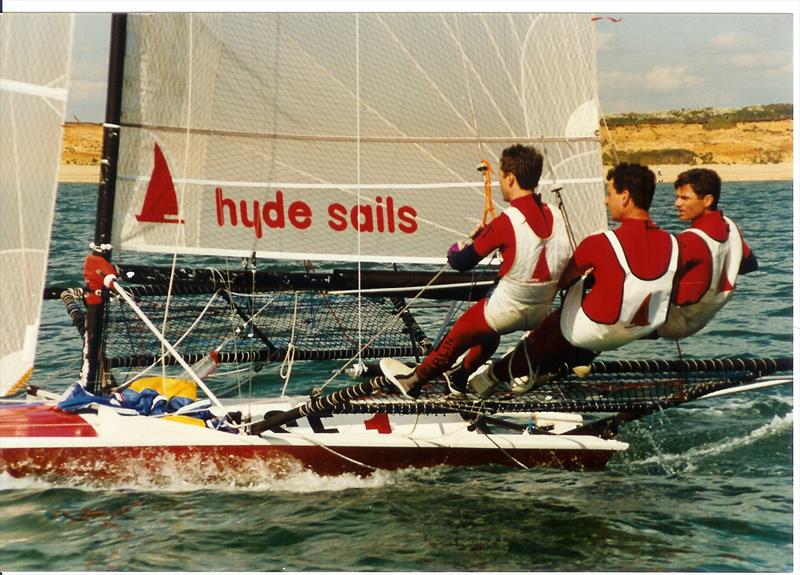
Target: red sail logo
[(160, 202)]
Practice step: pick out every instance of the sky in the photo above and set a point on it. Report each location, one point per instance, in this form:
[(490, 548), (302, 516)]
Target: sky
[(647, 62)]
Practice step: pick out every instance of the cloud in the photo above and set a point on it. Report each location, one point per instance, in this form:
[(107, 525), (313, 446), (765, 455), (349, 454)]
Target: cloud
[(605, 41), (621, 81), (670, 78), (761, 60), (734, 39)]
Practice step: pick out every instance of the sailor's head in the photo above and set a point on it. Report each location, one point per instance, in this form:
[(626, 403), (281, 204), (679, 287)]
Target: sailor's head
[(520, 167), (630, 186), (696, 191)]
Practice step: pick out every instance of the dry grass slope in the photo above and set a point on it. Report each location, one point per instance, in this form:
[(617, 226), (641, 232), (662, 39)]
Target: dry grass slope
[(740, 151)]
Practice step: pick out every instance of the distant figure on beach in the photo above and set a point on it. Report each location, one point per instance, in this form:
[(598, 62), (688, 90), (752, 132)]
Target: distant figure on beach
[(660, 179), (534, 246), (621, 284), (712, 254)]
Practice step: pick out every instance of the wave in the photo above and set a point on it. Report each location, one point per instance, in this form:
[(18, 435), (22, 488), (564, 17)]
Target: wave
[(169, 476), (690, 458)]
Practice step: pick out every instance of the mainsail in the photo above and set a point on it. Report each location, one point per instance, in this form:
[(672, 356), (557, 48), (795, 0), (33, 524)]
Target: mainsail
[(34, 74), (284, 134)]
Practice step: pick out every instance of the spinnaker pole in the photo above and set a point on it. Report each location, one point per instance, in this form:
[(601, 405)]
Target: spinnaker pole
[(93, 365)]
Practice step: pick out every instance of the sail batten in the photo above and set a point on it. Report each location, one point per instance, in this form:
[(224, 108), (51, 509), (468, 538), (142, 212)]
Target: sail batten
[(355, 186), (347, 136), (365, 139)]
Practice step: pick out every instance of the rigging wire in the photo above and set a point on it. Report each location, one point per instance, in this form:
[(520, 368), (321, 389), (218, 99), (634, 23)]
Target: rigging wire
[(597, 96), (484, 166), (380, 332), (358, 177), (563, 209)]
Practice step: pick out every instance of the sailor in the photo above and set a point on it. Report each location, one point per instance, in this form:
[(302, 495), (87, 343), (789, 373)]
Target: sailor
[(622, 284), (712, 254), (534, 246)]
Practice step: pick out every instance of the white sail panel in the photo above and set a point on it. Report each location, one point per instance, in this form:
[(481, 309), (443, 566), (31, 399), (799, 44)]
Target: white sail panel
[(284, 134), (34, 72)]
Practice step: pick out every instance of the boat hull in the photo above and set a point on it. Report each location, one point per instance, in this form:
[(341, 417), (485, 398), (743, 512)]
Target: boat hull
[(41, 440)]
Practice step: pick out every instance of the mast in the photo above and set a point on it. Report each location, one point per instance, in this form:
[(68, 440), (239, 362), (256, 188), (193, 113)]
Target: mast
[(92, 370)]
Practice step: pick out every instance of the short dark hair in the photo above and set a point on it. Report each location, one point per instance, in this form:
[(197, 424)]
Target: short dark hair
[(640, 181), (525, 162), (704, 182)]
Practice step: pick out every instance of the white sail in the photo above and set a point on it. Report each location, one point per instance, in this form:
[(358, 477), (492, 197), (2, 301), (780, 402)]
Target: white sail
[(34, 72), (281, 133)]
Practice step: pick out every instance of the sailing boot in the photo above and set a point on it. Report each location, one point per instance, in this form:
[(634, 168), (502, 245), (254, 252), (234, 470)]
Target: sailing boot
[(409, 385), (456, 379), (524, 384), (483, 382), (404, 378)]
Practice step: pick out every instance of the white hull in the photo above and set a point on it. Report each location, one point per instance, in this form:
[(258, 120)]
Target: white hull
[(38, 439)]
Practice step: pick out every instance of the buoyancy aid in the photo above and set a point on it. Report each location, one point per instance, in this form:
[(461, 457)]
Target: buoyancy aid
[(642, 310), (726, 257), (521, 300)]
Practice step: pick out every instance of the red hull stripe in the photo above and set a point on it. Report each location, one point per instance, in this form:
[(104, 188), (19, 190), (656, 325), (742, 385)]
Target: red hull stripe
[(42, 421)]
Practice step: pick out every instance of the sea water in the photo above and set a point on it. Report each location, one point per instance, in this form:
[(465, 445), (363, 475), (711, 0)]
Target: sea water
[(705, 487)]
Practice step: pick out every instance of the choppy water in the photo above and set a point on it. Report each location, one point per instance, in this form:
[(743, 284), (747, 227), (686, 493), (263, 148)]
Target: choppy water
[(706, 487)]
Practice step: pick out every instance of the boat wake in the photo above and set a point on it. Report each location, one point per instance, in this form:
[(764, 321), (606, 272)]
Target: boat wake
[(169, 475), (688, 460)]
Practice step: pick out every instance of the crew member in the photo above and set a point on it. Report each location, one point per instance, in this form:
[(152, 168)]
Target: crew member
[(534, 246), (622, 284), (711, 251)]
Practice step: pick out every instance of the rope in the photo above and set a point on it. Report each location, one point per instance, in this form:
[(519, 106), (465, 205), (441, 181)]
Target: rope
[(488, 203), (288, 359), (532, 375), (506, 453), (164, 352), (329, 450)]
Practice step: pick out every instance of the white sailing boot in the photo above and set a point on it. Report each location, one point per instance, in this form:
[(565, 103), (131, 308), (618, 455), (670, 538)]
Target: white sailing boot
[(483, 382), (524, 384)]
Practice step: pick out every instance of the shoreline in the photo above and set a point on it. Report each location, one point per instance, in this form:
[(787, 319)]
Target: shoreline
[(730, 172), (79, 174)]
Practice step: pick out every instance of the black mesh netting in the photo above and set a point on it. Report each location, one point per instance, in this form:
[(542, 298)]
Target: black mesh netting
[(613, 386), (259, 326)]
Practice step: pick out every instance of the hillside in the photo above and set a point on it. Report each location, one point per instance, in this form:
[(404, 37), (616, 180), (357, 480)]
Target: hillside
[(746, 144)]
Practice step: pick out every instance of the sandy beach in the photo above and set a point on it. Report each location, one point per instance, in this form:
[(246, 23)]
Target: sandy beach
[(731, 172), (73, 173)]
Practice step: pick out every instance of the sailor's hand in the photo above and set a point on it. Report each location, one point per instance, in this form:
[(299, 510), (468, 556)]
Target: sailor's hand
[(475, 232)]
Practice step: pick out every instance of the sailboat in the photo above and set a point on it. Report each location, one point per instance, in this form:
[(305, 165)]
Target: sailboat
[(237, 146)]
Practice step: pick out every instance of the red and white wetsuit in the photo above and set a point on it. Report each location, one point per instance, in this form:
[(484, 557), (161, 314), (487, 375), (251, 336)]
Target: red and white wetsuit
[(638, 263), (532, 264), (712, 252), (533, 243), (632, 268)]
